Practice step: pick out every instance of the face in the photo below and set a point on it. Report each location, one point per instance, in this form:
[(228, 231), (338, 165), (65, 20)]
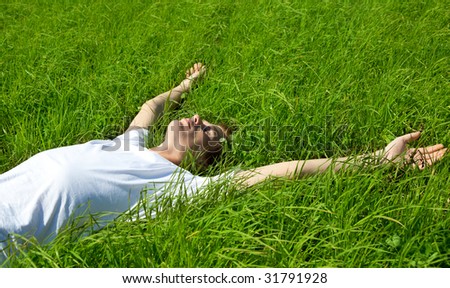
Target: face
[(194, 134)]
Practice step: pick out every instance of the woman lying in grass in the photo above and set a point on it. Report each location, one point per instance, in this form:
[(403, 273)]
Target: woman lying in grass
[(106, 177)]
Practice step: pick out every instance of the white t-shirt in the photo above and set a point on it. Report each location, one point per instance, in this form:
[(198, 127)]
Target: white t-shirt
[(41, 195)]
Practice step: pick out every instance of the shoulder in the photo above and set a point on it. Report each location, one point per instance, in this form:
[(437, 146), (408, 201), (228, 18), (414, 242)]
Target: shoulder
[(135, 137), (136, 131), (195, 183)]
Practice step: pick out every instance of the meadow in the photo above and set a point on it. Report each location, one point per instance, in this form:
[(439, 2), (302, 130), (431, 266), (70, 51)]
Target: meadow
[(296, 79)]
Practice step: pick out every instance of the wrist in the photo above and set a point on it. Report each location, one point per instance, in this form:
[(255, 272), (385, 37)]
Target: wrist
[(185, 85)]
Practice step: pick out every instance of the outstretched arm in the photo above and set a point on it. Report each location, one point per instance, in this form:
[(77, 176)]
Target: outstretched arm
[(395, 152), (154, 108)]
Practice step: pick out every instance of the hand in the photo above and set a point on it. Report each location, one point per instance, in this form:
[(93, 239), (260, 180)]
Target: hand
[(396, 152), (192, 75)]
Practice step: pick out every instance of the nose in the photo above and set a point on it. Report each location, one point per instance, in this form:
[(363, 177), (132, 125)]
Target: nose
[(197, 120)]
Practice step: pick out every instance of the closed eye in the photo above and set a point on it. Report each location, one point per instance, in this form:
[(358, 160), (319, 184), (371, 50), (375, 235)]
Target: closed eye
[(210, 131)]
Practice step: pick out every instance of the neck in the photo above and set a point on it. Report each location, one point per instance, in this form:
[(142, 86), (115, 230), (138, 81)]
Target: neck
[(173, 157)]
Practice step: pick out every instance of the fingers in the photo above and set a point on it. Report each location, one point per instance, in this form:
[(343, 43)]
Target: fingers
[(410, 137), (424, 157), (430, 149), (192, 74), (428, 160), (197, 67), (413, 152)]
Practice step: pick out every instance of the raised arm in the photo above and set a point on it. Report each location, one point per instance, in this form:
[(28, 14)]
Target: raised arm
[(154, 108), (395, 152)]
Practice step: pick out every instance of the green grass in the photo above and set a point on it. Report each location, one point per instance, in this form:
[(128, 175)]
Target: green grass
[(300, 79)]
